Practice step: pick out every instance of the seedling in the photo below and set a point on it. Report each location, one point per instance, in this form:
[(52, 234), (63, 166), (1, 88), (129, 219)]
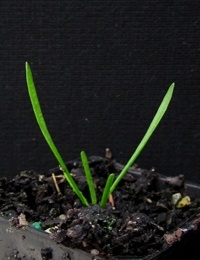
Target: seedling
[(112, 182)]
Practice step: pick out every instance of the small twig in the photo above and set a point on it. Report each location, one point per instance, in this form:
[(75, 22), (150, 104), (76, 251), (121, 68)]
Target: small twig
[(108, 153), (56, 184), (61, 178), (84, 243), (111, 200)]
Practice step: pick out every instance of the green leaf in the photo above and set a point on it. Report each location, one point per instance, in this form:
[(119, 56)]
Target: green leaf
[(106, 191), (42, 124), (89, 178), (156, 120)]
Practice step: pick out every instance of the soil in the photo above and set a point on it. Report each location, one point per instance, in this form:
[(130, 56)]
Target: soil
[(141, 216)]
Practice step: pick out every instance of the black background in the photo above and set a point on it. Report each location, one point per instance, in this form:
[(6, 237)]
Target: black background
[(101, 69)]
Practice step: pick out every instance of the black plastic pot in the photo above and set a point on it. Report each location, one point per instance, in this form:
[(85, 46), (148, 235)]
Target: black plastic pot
[(29, 243)]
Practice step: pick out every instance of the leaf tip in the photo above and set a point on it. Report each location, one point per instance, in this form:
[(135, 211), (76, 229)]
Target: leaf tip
[(172, 85), (26, 64)]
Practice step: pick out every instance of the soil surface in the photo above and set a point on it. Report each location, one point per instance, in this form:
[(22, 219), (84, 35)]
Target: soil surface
[(143, 215)]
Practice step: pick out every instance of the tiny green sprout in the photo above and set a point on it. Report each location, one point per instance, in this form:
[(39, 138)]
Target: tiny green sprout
[(89, 177), (111, 182)]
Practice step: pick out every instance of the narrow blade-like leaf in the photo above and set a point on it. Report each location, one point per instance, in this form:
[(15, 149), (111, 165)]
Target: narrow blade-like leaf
[(156, 120), (42, 124), (89, 178), (106, 191)]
